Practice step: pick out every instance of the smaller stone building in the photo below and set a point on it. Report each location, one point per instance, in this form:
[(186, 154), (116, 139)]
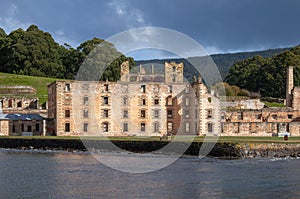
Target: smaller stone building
[(21, 124), (264, 122), (23, 105)]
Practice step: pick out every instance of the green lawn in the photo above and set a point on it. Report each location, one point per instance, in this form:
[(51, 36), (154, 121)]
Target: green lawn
[(273, 104), (231, 139), (39, 83)]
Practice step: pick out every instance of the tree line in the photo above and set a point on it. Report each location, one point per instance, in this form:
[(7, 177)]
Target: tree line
[(34, 52), (266, 76)]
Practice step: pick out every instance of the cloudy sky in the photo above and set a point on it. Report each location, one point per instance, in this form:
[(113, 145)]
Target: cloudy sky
[(220, 26)]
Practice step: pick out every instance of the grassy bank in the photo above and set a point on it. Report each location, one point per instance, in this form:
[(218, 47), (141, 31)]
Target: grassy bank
[(230, 139), (39, 83)]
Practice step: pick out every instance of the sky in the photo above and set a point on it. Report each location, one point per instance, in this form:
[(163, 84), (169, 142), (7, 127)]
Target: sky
[(220, 26)]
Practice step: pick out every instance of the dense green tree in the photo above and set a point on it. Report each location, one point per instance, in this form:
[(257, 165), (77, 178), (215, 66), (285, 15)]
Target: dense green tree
[(266, 76), (34, 52)]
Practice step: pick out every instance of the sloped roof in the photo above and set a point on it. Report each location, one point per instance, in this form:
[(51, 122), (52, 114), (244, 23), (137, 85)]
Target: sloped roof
[(21, 117)]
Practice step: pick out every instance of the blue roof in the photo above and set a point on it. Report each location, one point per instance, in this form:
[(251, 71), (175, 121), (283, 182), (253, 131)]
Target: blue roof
[(21, 116)]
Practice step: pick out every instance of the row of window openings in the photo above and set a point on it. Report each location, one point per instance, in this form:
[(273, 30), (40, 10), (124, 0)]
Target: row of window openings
[(170, 87), (156, 127), (143, 102), (170, 101), (259, 116), (142, 113), (85, 87), (143, 87), (86, 100), (29, 128), (256, 126)]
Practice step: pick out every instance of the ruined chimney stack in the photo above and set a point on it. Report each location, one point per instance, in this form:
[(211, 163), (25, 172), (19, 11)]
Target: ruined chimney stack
[(289, 85)]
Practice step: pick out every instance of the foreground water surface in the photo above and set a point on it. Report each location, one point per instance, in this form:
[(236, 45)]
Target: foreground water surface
[(33, 174)]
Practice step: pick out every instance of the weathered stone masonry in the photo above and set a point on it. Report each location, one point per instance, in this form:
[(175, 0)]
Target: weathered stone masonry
[(146, 105)]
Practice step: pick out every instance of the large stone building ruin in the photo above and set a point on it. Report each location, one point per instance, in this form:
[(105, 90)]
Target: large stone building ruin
[(143, 104)]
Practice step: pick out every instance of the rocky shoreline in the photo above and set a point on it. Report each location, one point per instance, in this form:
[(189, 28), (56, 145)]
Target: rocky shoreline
[(219, 150)]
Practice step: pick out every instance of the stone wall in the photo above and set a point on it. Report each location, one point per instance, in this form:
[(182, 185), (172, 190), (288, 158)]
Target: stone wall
[(4, 127), (264, 122), (131, 108), (296, 99)]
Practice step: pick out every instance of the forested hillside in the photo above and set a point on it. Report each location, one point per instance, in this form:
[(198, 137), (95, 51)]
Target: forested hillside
[(222, 61), (34, 52), (266, 75)]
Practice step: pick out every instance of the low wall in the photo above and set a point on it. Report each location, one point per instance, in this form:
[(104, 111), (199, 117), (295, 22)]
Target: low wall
[(220, 150), (225, 150)]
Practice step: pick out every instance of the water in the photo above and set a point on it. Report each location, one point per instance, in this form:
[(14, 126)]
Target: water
[(68, 175)]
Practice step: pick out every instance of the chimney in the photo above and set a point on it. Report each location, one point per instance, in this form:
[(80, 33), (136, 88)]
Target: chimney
[(289, 86), (152, 69)]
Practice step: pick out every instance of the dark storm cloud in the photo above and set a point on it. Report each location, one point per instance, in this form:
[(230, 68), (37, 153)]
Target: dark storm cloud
[(219, 25)]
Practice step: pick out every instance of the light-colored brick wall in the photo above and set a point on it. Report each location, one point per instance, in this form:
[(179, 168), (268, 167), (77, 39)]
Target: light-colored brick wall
[(4, 127)]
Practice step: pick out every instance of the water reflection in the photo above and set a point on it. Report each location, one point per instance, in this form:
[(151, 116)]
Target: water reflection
[(67, 175)]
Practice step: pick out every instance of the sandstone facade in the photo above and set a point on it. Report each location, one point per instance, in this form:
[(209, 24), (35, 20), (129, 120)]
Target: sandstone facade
[(153, 104), (144, 107)]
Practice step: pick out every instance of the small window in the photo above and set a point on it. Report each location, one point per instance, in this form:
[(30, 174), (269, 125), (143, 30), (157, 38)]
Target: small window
[(174, 68), (85, 113), (143, 88), (170, 114), (143, 102), (170, 88), (10, 103), (125, 113), (274, 116), (169, 101), (37, 127), (29, 129), (258, 116), (85, 100), (19, 104), (209, 113), (67, 87), (156, 101), (143, 113), (105, 127), (105, 113), (143, 127), (106, 87), (85, 127), (187, 114), (125, 127), (187, 101), (14, 129), (125, 101), (187, 89), (170, 127), (173, 78), (240, 116), (22, 127), (210, 127), (105, 100), (67, 127), (290, 116), (156, 113), (187, 127), (156, 126), (67, 113)]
